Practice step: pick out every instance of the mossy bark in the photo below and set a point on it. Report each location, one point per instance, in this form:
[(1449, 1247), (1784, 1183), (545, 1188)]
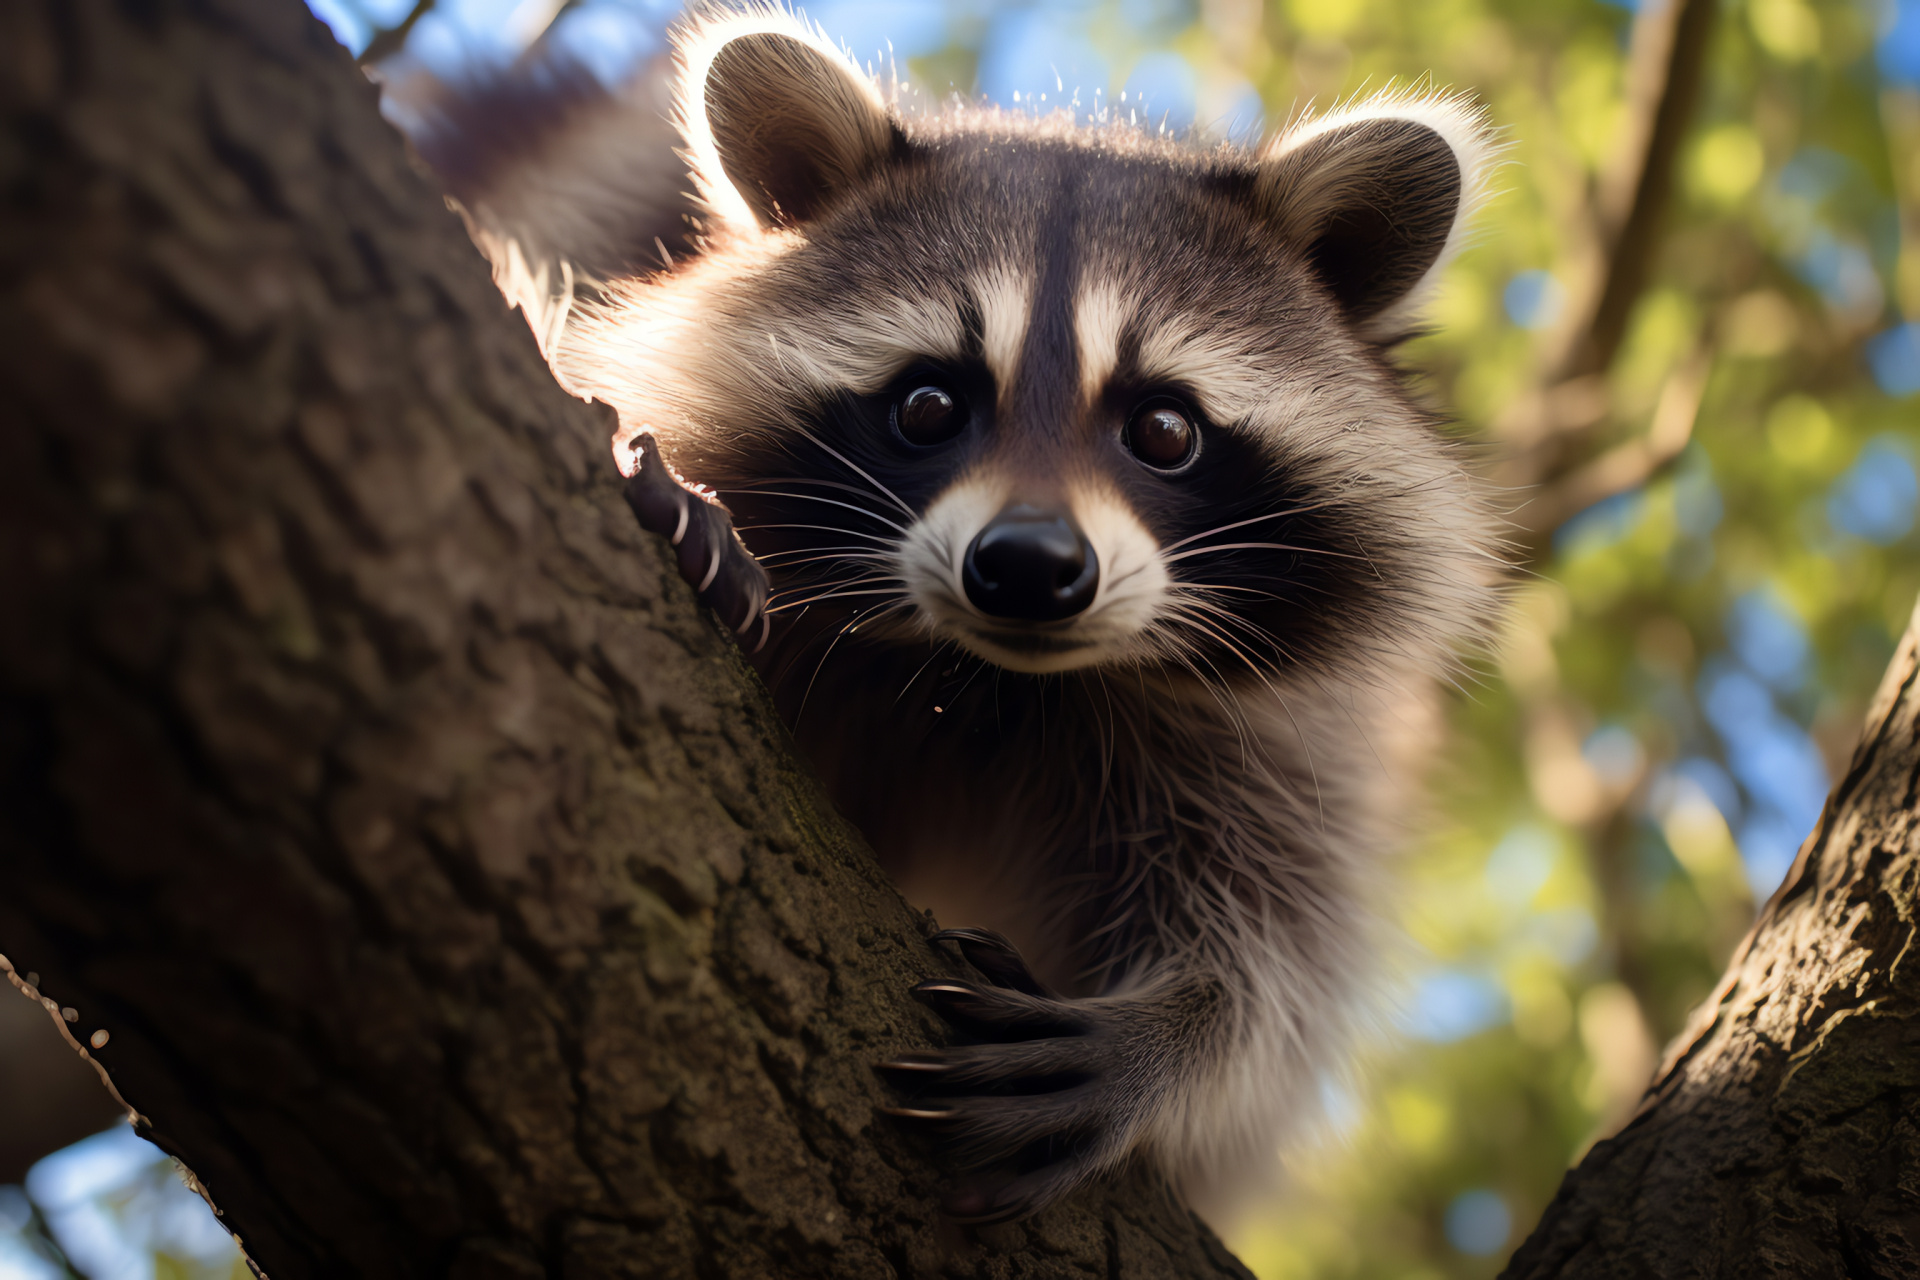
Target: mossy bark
[(443, 879), (1781, 1135)]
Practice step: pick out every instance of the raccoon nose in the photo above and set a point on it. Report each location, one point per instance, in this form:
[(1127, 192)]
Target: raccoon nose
[(1031, 565)]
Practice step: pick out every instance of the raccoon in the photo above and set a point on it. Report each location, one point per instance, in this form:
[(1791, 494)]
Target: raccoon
[(1084, 528)]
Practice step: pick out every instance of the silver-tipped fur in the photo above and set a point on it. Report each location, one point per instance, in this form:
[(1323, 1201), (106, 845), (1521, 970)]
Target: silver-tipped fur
[(1113, 563)]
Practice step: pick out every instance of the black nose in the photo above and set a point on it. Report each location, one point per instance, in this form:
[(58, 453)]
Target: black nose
[(1031, 565)]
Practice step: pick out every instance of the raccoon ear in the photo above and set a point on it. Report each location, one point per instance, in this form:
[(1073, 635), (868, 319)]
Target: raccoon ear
[(1376, 198), (778, 123)]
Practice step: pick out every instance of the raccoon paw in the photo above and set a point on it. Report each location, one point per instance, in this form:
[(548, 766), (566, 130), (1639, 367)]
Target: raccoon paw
[(709, 553), (1041, 1103)]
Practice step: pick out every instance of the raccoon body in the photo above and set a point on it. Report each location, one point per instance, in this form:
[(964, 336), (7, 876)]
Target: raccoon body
[(1112, 561)]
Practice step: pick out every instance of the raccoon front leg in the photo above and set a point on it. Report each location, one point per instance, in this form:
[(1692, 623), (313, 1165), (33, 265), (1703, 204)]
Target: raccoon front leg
[(1053, 1091), (708, 551)]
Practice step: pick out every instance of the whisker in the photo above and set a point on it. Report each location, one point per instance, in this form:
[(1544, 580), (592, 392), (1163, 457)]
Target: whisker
[(837, 591), (1268, 546), (1228, 617), (1306, 747), (1227, 643), (836, 595), (1195, 587), (833, 584), (817, 554), (937, 650), (820, 528), (760, 485), (851, 624), (1241, 524), (978, 667), (1297, 585), (1229, 705), (850, 465), (832, 502)]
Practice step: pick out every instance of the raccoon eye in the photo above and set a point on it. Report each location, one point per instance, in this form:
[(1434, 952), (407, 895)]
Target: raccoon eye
[(929, 415), (1161, 436)]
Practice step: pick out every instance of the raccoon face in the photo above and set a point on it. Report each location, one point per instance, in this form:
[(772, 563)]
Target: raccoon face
[(1065, 397)]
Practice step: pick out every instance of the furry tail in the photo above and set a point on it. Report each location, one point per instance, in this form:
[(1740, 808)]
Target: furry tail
[(563, 182)]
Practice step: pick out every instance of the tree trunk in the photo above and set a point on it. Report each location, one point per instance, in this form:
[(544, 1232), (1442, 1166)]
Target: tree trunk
[(1781, 1135), (437, 867)]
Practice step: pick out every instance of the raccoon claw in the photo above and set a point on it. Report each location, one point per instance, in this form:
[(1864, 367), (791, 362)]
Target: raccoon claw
[(994, 956), (997, 1012), (1037, 1105), (709, 553), (1025, 1123)]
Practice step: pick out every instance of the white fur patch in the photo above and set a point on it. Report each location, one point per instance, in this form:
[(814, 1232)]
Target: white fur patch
[(1100, 315), (862, 349), (935, 548), (1229, 383), (1005, 299), (1133, 576), (1463, 125), (1133, 579), (640, 351), (696, 44)]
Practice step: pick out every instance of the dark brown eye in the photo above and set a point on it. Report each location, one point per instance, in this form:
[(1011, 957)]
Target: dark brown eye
[(929, 415), (1162, 437)]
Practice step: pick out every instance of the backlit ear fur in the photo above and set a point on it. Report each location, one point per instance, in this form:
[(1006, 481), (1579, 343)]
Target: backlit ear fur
[(778, 122), (1377, 195)]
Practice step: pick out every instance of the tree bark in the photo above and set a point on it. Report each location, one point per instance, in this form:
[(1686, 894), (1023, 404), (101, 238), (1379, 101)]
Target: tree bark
[(442, 877), (1668, 71), (1550, 431), (1781, 1135)]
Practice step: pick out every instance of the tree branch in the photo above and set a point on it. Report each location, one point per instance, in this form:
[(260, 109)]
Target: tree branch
[(1900, 116), (1546, 431), (1670, 42), (388, 41), (1781, 1134), (1627, 465)]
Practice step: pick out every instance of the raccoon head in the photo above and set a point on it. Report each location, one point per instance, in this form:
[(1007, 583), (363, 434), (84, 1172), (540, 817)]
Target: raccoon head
[(1063, 395)]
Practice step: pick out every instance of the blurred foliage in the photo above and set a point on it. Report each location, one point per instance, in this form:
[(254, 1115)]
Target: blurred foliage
[(1687, 660), (112, 1207)]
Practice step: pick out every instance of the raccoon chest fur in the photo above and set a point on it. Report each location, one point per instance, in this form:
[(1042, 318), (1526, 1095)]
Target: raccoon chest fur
[(1111, 561), (1007, 801)]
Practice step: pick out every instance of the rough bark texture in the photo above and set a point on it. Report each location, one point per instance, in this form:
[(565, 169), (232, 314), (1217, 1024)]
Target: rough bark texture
[(1781, 1136), (437, 867)]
